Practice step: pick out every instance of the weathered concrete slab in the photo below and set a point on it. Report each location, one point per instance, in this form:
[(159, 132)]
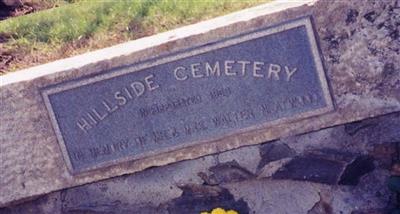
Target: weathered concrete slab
[(360, 53)]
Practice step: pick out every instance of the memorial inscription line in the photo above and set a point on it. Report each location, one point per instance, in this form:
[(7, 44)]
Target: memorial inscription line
[(137, 88), (228, 119)]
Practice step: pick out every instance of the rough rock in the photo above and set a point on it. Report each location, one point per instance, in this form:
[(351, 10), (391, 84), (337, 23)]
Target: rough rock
[(272, 167), (371, 193), (272, 151), (229, 172), (248, 157), (356, 169), (323, 206), (152, 187), (186, 185), (269, 196), (200, 198), (311, 168)]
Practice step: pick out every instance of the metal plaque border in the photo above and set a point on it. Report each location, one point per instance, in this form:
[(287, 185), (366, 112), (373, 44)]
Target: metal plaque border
[(302, 21)]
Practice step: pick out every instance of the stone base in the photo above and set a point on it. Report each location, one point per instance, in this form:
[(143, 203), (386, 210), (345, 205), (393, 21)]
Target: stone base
[(343, 169)]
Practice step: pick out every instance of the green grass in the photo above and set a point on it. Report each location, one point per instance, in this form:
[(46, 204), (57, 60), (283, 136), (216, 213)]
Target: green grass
[(104, 22)]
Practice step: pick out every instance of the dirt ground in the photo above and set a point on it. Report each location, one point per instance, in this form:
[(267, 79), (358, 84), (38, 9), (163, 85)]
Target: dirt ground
[(12, 8)]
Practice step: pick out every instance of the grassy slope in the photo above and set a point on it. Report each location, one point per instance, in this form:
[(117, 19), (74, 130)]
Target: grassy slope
[(88, 25)]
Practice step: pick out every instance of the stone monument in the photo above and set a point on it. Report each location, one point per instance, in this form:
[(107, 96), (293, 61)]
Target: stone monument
[(264, 73)]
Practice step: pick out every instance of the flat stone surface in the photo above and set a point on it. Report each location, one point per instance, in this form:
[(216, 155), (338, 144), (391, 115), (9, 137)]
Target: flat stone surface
[(361, 54), (242, 157), (240, 83), (276, 195)]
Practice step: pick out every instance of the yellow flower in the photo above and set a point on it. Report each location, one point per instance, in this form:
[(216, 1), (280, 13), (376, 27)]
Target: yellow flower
[(218, 211)]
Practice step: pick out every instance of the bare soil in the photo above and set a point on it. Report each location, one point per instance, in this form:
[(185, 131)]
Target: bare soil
[(22, 8), (9, 11)]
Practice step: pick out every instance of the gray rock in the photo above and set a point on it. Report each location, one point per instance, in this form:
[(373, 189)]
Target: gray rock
[(272, 167), (277, 196), (311, 168), (356, 169), (206, 183), (229, 172), (247, 157), (371, 193), (149, 188), (274, 151), (201, 198)]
